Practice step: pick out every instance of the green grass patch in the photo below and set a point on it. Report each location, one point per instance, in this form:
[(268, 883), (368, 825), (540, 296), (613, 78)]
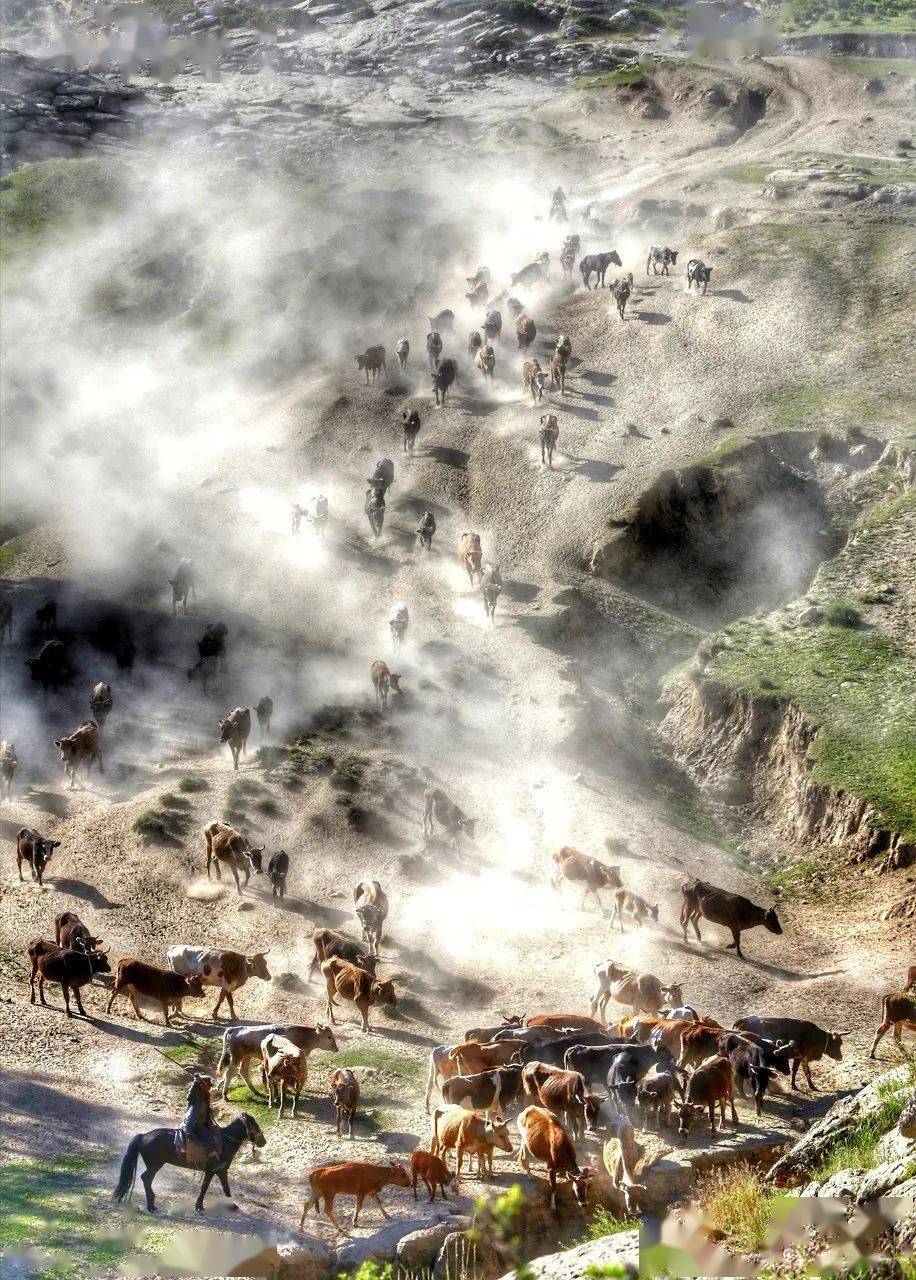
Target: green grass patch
[(870, 67), (736, 1203), (9, 553), (802, 878), (52, 193), (190, 784), (606, 1223), (858, 1149), (49, 1206), (201, 1051), (686, 810), (169, 800), (633, 77), (162, 825), (393, 1064), (241, 1096)]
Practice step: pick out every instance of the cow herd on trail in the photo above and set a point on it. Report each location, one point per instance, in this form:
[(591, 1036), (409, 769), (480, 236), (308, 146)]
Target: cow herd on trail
[(568, 1078)]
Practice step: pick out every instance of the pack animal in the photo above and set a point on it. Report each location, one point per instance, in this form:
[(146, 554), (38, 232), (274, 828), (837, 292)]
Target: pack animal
[(597, 264), (434, 1172), (753, 1061), (169, 989), (709, 1086), (534, 379), (264, 711), (492, 326), (402, 351), (433, 350), (548, 434), (283, 1067), (71, 969), (36, 850), (621, 289), (51, 668), (641, 991), (371, 905), (72, 934), (374, 508), (470, 555), (411, 420), (485, 361), (329, 942), (526, 332), (426, 530), (632, 905), (351, 1178), (899, 1012), (491, 585), (468, 1134), (484, 1091), (809, 1041), (437, 805), (227, 970), (100, 703)]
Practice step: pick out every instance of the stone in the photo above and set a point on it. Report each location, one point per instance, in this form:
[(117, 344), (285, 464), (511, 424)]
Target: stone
[(305, 1258), (621, 1249), (722, 219), (810, 617), (419, 1248)]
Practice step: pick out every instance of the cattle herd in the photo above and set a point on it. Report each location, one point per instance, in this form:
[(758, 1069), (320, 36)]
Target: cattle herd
[(565, 1076)]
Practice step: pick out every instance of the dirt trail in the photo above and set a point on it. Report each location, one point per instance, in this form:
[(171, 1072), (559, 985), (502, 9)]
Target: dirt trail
[(492, 712)]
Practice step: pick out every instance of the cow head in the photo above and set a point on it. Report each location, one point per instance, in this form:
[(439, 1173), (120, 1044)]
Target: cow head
[(98, 962), (498, 1135), (592, 1104), (834, 1046), (399, 1175), (360, 362), (194, 987), (653, 912), (257, 965), (771, 921), (612, 876), (674, 993), (255, 859), (686, 1112), (43, 851), (671, 254), (707, 273), (467, 825), (781, 1056), (324, 1038), (580, 1184), (383, 993)]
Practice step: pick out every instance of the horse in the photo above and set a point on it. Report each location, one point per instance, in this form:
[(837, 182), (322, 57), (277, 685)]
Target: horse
[(159, 1147)]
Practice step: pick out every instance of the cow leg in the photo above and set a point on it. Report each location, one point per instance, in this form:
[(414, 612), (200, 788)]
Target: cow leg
[(695, 921), (19, 865), (796, 1063), (381, 1207), (228, 994), (65, 990), (360, 1197), (79, 1001), (165, 1013), (41, 988), (807, 1070), (235, 876), (731, 1103)]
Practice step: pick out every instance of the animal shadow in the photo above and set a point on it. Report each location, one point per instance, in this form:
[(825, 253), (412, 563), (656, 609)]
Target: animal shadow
[(596, 471), (598, 378), (734, 295), (653, 317), (451, 457), (86, 893)]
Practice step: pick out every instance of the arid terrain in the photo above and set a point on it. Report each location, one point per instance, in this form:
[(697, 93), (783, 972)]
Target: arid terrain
[(206, 380)]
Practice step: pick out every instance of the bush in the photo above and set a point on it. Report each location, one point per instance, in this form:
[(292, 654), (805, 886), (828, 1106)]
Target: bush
[(839, 614), (606, 1223), (39, 196), (737, 1206), (189, 784)]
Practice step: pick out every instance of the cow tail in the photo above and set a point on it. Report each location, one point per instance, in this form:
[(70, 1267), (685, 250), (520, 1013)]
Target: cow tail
[(434, 1144), (128, 1169), (225, 1057), (245, 1068)]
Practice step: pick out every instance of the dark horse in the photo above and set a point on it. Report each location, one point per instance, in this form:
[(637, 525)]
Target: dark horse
[(158, 1147)]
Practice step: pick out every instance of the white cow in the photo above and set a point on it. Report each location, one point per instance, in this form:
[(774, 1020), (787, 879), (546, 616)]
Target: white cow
[(227, 970)]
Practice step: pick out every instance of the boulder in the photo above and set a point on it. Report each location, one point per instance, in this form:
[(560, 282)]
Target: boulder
[(305, 1258), (621, 1249), (420, 1248)]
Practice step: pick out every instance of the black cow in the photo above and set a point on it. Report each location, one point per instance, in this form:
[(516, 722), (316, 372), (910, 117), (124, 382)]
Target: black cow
[(809, 1041), (445, 375), (754, 1059), (36, 850), (51, 668), (698, 273), (277, 871), (721, 907), (594, 1062)]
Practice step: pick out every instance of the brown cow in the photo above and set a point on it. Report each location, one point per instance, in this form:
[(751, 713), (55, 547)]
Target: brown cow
[(468, 1135), (235, 730), (372, 360), (371, 906), (70, 933), (579, 868), (351, 1178), (534, 379), (641, 991), (226, 845), (526, 332), (545, 1139), (732, 910), (910, 978), (485, 360), (330, 942), (81, 749), (470, 555), (434, 1172), (899, 1012), (557, 366), (72, 969), (563, 1094), (710, 1084), (283, 1066), (631, 904), (564, 1021), (549, 434), (437, 805), (471, 1057), (9, 763), (698, 1042), (36, 850), (241, 1044), (138, 978), (351, 983), (345, 1095), (228, 970), (383, 681)]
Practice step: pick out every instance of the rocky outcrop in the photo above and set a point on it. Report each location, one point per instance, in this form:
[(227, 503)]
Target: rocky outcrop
[(53, 108), (621, 1249), (753, 750)]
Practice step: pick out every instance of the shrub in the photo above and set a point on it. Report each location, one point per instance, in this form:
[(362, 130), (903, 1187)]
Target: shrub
[(38, 196), (837, 613), (737, 1206), (606, 1223), (189, 784)]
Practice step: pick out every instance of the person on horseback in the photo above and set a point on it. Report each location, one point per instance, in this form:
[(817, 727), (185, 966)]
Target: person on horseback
[(198, 1122)]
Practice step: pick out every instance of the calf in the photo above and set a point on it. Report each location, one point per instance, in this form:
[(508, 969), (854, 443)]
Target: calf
[(228, 970), (753, 1061), (487, 1091), (264, 711), (425, 531), (709, 1085), (433, 351), (277, 871), (899, 1012), (621, 290), (345, 1096), (138, 978), (9, 763), (402, 351), (397, 625), (71, 934), (485, 361), (475, 342), (351, 1178), (436, 804), (444, 321), (642, 991), (100, 703), (533, 379), (631, 904), (660, 256), (656, 1092), (330, 942), (579, 868), (809, 1042), (374, 508), (226, 845), (241, 1044), (72, 969), (283, 1066), (51, 668), (549, 434), (383, 681), (525, 331), (492, 326), (80, 749), (46, 616), (183, 585), (235, 730), (371, 905), (372, 361), (470, 555), (491, 585), (627, 1069), (622, 1158), (445, 375), (468, 1134), (698, 273), (411, 422), (434, 1172), (732, 910), (545, 1139), (356, 985), (558, 373), (36, 850), (597, 264), (563, 1094)]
